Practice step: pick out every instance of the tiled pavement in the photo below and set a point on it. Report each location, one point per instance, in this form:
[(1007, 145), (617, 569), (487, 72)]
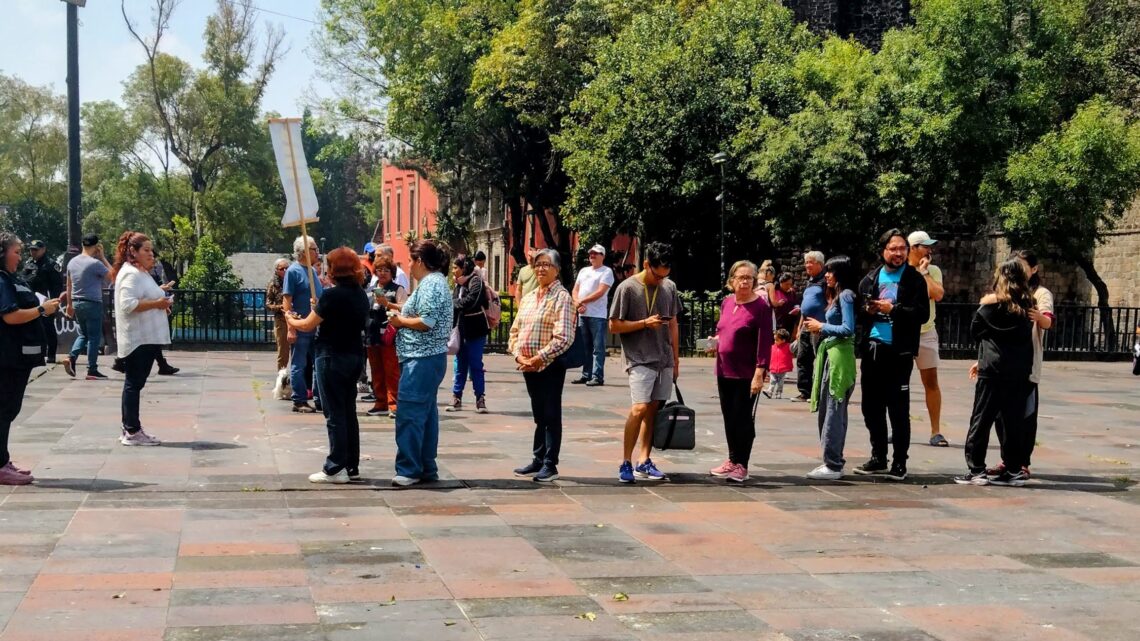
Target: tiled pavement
[(218, 535)]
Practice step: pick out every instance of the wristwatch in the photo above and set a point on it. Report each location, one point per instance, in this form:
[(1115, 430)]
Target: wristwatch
[(41, 310)]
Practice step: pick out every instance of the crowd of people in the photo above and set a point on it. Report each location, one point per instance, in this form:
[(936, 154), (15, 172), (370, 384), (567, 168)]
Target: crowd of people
[(345, 320)]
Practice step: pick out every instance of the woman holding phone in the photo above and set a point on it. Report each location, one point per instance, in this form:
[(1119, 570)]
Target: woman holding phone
[(21, 346), (387, 298)]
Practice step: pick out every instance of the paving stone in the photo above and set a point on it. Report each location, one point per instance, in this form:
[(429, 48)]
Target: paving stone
[(1073, 560)]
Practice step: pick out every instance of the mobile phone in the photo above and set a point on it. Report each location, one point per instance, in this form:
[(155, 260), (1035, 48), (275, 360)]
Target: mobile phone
[(665, 318)]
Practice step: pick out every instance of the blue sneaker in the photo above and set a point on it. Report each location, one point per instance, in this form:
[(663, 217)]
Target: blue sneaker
[(649, 471), (625, 472)]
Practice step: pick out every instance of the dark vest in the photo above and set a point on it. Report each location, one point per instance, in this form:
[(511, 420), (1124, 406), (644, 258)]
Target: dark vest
[(21, 346)]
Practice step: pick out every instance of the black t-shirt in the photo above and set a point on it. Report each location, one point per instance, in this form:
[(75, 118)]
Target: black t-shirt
[(344, 313)]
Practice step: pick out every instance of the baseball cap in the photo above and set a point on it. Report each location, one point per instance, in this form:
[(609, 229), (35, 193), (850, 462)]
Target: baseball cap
[(37, 244), (369, 248), (90, 240), (920, 238), (597, 249)]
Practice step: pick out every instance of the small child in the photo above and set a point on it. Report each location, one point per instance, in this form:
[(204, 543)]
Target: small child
[(780, 363)]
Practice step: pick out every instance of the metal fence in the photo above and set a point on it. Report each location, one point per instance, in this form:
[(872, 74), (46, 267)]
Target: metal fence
[(204, 318)]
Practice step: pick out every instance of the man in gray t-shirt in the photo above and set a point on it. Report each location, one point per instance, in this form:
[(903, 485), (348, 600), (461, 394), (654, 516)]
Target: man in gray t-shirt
[(87, 275), (644, 315)]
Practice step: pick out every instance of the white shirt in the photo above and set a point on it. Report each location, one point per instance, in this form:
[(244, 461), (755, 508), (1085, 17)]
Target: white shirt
[(133, 328), (402, 279), (589, 281), (1044, 299)]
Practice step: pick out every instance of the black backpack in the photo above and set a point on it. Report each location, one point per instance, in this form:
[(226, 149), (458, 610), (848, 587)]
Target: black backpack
[(676, 425)]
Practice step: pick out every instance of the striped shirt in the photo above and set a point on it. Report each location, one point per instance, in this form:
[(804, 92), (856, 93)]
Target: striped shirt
[(545, 324)]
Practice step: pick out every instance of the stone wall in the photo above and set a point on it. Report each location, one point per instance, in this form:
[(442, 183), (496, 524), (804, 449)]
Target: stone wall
[(864, 19), (1118, 262)]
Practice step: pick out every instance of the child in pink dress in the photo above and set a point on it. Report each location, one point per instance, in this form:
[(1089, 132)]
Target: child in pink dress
[(780, 363)]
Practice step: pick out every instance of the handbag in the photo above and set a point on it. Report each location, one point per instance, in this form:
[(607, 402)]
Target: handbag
[(388, 336), (676, 425), (453, 342), (576, 355)]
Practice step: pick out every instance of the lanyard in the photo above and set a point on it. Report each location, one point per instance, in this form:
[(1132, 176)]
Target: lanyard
[(649, 305)]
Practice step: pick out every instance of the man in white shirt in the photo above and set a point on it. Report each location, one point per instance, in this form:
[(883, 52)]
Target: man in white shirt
[(481, 265), (401, 276), (590, 299)]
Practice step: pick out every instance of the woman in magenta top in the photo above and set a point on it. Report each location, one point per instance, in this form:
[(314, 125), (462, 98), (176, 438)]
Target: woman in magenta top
[(743, 345)]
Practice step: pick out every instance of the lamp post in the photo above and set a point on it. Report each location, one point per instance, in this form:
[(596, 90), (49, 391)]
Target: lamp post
[(74, 192), (719, 159)]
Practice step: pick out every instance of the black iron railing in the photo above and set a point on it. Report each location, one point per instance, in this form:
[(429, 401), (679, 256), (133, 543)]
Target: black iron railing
[(238, 318)]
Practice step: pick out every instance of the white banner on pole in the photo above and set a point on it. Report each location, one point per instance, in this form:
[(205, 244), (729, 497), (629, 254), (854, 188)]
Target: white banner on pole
[(300, 196)]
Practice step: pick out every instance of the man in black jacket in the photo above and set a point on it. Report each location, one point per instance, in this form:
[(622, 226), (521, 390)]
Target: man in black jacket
[(894, 304), (44, 278)]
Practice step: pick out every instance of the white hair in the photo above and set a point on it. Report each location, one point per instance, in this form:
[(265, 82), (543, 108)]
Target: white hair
[(551, 255), (299, 246), (815, 257), (386, 249), (280, 261)]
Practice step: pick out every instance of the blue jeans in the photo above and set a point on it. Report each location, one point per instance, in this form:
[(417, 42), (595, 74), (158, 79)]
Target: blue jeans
[(470, 359), (89, 322), (335, 375), (594, 332), (417, 419), (832, 421), (299, 357)]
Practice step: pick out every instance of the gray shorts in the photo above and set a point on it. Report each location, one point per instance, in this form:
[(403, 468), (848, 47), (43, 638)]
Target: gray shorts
[(648, 384)]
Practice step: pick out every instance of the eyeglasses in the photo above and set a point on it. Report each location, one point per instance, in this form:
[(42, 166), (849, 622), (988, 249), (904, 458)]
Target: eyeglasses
[(544, 265), (657, 276)]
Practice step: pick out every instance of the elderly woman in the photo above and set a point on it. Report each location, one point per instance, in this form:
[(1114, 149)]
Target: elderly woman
[(141, 307), (834, 377), (273, 304), (544, 329), (470, 298), (743, 346), (21, 346), (388, 296), (422, 327), (338, 319), (296, 296)]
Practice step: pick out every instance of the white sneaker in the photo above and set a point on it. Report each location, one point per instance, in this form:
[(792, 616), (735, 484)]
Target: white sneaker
[(338, 478), (824, 473), (403, 481), (138, 438)]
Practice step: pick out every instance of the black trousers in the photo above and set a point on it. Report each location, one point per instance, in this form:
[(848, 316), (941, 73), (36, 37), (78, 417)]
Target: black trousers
[(739, 427), (1006, 405), (545, 390), (138, 365), (336, 375), (48, 323), (805, 362), (885, 383), (13, 382)]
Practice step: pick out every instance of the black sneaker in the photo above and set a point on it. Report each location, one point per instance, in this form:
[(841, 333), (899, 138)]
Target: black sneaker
[(873, 466), (367, 398), (529, 470), (96, 375), (898, 472), (119, 366), (69, 366), (547, 474), (167, 370), (1007, 478), (580, 381), (353, 473)]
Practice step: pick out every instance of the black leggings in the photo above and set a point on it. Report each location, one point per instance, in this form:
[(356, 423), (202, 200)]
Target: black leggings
[(545, 390), (739, 425), (13, 382), (1003, 402)]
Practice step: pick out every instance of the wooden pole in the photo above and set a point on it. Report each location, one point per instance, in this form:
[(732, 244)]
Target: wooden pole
[(300, 210)]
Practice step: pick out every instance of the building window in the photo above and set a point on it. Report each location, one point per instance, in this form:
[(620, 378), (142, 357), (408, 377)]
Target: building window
[(495, 272), (399, 209), (386, 223)]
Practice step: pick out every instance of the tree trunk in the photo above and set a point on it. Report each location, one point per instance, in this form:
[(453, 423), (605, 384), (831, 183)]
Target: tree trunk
[(518, 228), (1106, 322)]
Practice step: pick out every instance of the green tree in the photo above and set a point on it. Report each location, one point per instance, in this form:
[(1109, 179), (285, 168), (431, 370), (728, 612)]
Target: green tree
[(210, 268)]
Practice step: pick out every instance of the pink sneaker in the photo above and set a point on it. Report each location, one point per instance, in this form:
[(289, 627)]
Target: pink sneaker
[(738, 474), (12, 466), (723, 470), (9, 476)]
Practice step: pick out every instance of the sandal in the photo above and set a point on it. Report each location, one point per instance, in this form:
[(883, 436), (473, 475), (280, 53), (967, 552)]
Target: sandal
[(939, 441), (303, 408)]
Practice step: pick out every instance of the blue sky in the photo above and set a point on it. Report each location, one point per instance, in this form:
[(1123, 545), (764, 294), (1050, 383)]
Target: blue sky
[(33, 46)]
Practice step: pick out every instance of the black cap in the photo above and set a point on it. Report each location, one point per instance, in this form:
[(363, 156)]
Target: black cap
[(37, 244), (479, 255), (90, 240)]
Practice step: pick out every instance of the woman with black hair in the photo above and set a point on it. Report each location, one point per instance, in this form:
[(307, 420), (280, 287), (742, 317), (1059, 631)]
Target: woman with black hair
[(834, 378), (21, 346), (470, 299)]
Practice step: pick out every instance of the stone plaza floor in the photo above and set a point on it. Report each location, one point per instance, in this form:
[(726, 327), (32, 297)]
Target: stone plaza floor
[(218, 535)]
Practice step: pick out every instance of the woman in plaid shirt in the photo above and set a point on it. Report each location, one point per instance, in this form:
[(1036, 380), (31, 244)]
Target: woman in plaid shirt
[(544, 329)]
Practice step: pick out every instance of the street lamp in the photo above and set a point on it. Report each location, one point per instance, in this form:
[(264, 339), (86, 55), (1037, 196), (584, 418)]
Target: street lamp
[(74, 193), (720, 158)]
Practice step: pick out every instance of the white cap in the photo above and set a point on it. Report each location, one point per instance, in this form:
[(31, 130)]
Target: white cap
[(597, 249), (919, 238)]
